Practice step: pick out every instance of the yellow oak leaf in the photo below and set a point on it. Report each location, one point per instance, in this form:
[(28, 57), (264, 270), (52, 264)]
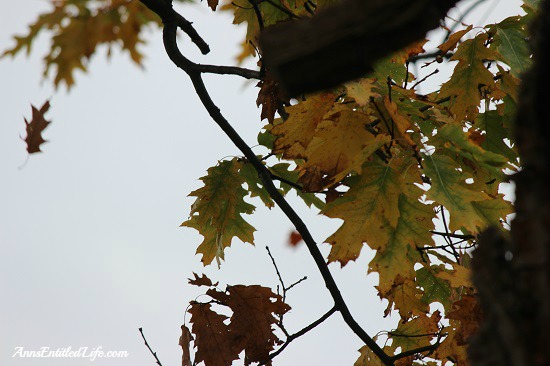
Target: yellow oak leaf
[(405, 296), (295, 134), (459, 276), (469, 76), (340, 144), (362, 90), (368, 209), (450, 348), (401, 122), (415, 333), (367, 358)]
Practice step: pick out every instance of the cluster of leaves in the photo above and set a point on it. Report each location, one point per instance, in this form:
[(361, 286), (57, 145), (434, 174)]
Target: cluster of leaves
[(393, 165), (78, 27), (254, 312), (413, 177)]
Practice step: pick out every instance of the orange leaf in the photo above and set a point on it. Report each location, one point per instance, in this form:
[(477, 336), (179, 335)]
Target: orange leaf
[(294, 238), (35, 127)]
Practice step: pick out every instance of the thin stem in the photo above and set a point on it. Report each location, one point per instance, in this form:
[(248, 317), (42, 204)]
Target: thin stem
[(148, 347), (303, 331)]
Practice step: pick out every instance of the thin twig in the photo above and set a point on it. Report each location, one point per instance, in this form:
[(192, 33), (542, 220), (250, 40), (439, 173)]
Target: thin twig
[(301, 333), (456, 236), (150, 350)]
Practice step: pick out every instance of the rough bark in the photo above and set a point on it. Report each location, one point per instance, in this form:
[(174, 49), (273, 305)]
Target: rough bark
[(513, 274), (344, 41)]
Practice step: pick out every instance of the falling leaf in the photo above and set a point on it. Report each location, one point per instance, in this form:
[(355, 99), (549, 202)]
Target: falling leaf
[(35, 128), (294, 238)]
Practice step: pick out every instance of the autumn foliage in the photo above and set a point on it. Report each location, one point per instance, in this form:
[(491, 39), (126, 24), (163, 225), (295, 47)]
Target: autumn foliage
[(414, 177)]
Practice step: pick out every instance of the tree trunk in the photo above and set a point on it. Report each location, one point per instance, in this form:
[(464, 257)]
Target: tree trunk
[(512, 275)]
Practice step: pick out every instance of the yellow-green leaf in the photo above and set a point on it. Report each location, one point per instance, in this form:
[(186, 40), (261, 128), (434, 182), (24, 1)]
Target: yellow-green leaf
[(216, 213)]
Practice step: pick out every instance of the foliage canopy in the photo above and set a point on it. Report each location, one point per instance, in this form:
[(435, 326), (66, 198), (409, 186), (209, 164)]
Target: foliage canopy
[(413, 176)]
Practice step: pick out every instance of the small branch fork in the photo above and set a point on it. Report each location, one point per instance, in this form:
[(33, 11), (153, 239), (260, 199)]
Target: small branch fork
[(172, 20)]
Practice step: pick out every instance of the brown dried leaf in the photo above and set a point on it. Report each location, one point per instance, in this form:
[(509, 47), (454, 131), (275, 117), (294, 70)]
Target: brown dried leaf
[(270, 97), (253, 318), (185, 340), (201, 281), (468, 311), (215, 343), (35, 127), (213, 4)]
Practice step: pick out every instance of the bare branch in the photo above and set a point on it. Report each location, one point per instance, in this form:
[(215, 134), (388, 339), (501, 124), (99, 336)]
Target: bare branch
[(148, 347)]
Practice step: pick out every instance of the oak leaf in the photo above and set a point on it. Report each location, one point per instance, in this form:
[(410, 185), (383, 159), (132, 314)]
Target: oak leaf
[(368, 209), (469, 76), (254, 314), (35, 127), (448, 188), (362, 90), (270, 97), (215, 343), (400, 253), (203, 280), (216, 213), (340, 144), (453, 40), (416, 332), (405, 296), (295, 134), (468, 312)]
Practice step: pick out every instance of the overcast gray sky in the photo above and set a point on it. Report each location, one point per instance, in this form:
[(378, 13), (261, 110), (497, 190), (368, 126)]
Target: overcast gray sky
[(89, 229)]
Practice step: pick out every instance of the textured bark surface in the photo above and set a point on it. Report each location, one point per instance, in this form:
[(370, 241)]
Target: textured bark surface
[(513, 275), (344, 41)]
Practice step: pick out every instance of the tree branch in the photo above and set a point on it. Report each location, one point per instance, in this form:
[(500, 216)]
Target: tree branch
[(302, 332), (171, 47)]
